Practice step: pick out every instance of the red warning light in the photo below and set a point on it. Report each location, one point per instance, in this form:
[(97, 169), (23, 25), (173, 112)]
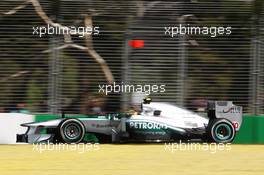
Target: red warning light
[(136, 44)]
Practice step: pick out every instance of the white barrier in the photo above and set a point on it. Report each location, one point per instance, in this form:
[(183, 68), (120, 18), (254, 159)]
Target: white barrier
[(10, 126)]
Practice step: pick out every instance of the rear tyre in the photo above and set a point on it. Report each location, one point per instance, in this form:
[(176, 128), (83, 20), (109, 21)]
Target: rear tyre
[(221, 131), (71, 131)]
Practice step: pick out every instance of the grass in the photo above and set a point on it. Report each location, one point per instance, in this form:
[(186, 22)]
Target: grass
[(134, 159)]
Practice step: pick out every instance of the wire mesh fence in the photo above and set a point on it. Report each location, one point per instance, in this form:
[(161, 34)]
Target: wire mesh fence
[(224, 60)]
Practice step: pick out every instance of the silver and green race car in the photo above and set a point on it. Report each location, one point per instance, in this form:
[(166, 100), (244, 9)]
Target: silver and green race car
[(155, 122)]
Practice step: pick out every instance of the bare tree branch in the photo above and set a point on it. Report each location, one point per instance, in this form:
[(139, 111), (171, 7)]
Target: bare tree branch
[(47, 20), (14, 10), (17, 74), (88, 38), (89, 45), (140, 8), (67, 37)]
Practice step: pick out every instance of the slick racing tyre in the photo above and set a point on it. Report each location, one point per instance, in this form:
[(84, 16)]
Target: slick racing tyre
[(71, 131), (221, 131)]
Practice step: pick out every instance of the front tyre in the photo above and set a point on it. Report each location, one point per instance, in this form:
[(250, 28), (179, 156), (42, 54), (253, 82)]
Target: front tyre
[(71, 131), (221, 131)]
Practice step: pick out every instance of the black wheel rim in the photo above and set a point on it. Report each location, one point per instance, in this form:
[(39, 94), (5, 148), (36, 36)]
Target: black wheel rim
[(72, 131)]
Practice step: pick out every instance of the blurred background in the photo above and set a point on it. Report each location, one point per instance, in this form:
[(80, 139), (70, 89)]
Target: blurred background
[(193, 68)]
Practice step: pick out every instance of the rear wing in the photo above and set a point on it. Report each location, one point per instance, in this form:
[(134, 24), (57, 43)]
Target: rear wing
[(226, 110)]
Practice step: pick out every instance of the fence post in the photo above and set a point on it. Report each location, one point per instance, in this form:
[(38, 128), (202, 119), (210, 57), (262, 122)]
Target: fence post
[(182, 64), (255, 66), (54, 81), (126, 70)]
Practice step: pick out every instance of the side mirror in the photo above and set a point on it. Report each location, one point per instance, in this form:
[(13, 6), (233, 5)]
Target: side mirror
[(157, 113)]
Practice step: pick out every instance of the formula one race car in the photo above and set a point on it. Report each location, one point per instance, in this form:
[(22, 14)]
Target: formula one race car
[(155, 122)]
